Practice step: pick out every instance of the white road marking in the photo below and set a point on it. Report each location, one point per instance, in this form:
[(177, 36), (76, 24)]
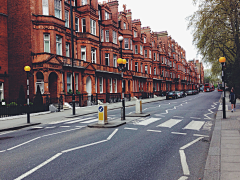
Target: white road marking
[(62, 121), (148, 121), (37, 128), (207, 126), (220, 108), (178, 117), (131, 128), (38, 167), (2, 151), (159, 115), (6, 132), (59, 154), (184, 162), (199, 135), (194, 125), (90, 121), (50, 127), (79, 120), (179, 133), (170, 123), (191, 143), (114, 132), (183, 178), (154, 131), (195, 118), (65, 126)]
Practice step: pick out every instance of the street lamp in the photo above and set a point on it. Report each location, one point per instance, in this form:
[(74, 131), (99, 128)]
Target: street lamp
[(121, 68), (222, 60), (27, 70)]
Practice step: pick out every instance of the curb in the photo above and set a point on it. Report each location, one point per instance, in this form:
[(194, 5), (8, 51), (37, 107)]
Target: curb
[(19, 127)]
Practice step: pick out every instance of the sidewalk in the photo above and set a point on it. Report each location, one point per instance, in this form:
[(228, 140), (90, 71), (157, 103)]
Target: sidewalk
[(223, 161), (18, 122)]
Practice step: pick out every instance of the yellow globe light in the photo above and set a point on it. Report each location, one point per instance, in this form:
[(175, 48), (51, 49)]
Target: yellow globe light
[(124, 61), (27, 68), (119, 60), (222, 59)]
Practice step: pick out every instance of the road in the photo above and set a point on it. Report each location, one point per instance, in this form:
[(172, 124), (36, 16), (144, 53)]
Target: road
[(172, 143)]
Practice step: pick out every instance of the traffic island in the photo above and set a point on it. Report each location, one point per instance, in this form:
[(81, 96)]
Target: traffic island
[(107, 125), (138, 110)]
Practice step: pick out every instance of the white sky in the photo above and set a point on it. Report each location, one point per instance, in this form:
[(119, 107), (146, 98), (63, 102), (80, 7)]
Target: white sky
[(165, 15)]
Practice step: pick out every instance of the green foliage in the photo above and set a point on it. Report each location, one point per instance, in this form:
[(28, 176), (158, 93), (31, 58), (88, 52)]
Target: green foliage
[(78, 92), (70, 91), (216, 31), (12, 104)]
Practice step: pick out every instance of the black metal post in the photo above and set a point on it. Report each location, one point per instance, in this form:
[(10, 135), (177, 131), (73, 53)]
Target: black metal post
[(123, 100), (28, 107), (223, 98), (73, 95)]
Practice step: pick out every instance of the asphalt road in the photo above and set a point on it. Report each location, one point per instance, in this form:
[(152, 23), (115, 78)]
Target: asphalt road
[(172, 143)]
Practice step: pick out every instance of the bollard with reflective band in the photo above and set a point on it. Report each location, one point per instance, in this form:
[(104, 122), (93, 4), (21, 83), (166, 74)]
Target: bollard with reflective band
[(102, 115), (139, 106)]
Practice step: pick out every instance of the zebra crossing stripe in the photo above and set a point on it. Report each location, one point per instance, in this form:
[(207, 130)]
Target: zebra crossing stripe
[(195, 125), (148, 121), (170, 123)]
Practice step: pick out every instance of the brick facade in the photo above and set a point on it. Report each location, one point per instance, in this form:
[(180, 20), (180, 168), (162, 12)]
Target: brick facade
[(39, 35)]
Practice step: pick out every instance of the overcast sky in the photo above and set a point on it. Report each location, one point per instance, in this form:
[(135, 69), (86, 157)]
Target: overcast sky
[(165, 15)]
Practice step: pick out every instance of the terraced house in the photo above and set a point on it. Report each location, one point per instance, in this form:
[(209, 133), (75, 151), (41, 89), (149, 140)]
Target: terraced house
[(39, 35)]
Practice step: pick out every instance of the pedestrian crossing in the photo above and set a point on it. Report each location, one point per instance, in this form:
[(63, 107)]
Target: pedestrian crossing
[(195, 125)]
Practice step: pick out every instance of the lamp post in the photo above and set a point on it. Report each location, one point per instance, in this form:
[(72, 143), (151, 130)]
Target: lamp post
[(222, 60), (27, 70), (72, 42), (121, 62)]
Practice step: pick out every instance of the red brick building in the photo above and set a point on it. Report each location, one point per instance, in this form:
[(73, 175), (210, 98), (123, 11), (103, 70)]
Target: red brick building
[(39, 35), (3, 50)]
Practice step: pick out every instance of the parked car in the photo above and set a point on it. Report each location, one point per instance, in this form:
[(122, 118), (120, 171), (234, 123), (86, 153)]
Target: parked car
[(178, 94), (189, 92), (183, 93), (171, 95), (195, 92)]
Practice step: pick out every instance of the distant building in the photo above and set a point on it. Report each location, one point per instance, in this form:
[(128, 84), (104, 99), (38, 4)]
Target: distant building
[(39, 35)]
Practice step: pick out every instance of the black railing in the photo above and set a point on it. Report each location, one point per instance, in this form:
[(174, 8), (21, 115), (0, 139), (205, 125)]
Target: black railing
[(113, 97)]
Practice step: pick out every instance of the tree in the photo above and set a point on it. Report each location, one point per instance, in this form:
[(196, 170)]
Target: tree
[(216, 33)]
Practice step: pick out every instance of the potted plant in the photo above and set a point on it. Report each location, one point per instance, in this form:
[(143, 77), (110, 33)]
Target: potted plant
[(70, 91)]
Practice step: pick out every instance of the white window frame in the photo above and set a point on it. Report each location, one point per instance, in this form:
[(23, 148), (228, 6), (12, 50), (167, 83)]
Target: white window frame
[(141, 49), (114, 37), (150, 54), (115, 85), (58, 45), (107, 55), (107, 15), (45, 9), (146, 69), (144, 40), (66, 18), (114, 60), (111, 86), (126, 43), (136, 66), (93, 55), (67, 49), (136, 49), (58, 10), (76, 81), (102, 36), (84, 2), (101, 84), (76, 24), (45, 42), (69, 81), (84, 27), (145, 53), (135, 33), (83, 53), (107, 36), (93, 26), (155, 70)]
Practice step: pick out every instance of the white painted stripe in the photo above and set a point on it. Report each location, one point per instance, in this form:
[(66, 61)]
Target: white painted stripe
[(23, 144), (179, 133), (65, 126), (2, 151), (80, 147), (114, 132), (62, 121), (148, 121), (37, 128), (184, 162), (80, 126), (6, 132), (195, 118), (90, 121), (79, 120), (183, 178), (199, 135), (154, 131), (131, 128), (170, 123), (159, 115), (38, 167), (50, 127), (191, 143), (178, 117), (195, 125)]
